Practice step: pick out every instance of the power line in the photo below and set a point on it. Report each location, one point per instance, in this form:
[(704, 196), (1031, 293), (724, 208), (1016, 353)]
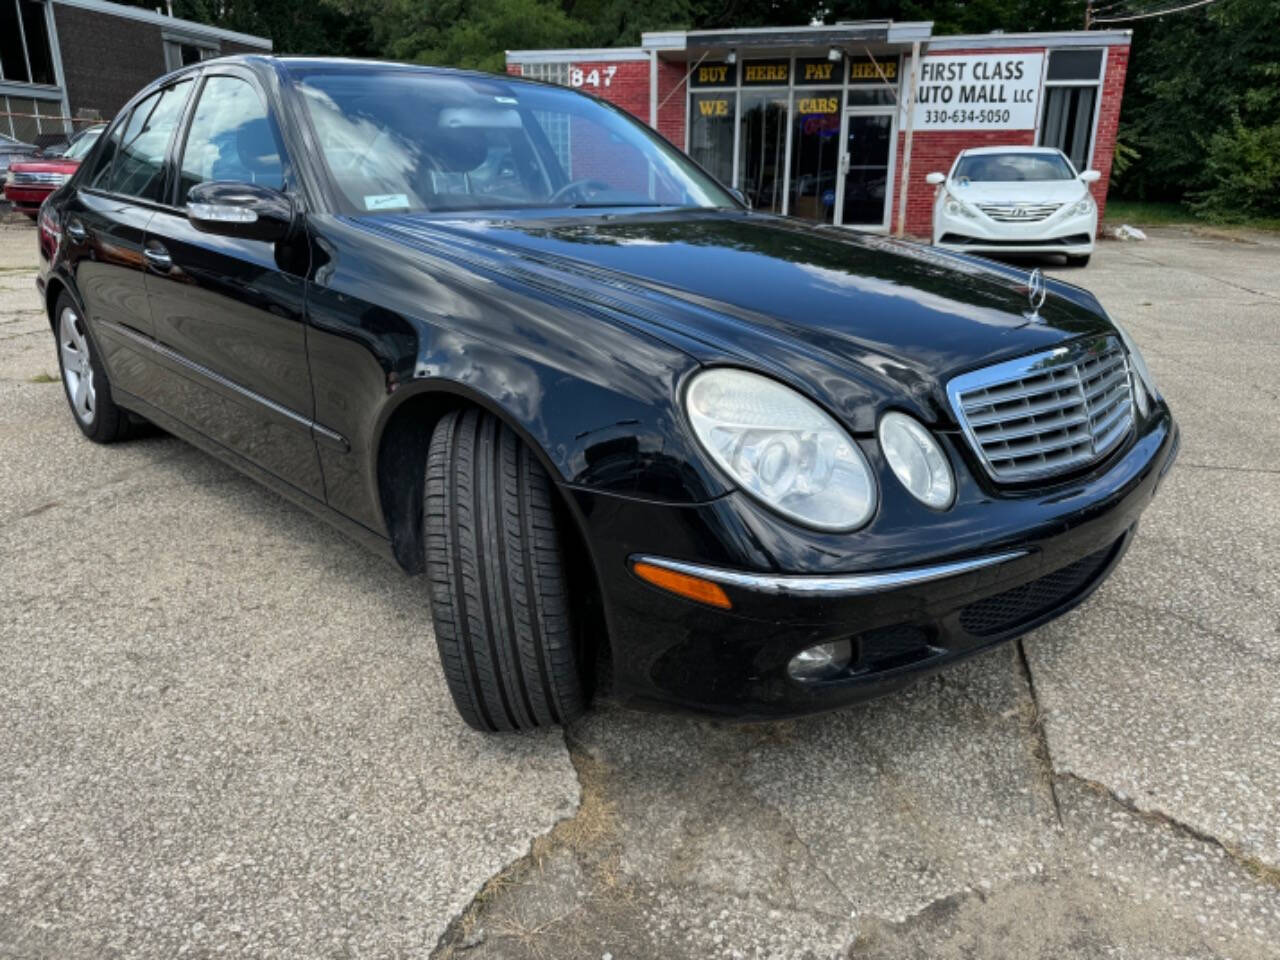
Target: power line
[(1153, 13)]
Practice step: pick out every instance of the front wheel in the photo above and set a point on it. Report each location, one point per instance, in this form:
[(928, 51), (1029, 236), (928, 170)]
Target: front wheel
[(1081, 261), (496, 572)]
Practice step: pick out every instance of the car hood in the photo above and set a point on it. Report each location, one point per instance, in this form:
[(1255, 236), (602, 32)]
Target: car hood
[(45, 166), (852, 317), (1030, 191)]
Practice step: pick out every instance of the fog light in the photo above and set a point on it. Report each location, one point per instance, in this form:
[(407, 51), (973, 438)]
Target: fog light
[(820, 662)]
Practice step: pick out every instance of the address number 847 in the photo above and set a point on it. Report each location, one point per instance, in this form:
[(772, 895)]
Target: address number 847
[(591, 78)]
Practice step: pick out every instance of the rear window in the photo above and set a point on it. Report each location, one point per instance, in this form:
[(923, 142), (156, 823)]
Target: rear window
[(1011, 167)]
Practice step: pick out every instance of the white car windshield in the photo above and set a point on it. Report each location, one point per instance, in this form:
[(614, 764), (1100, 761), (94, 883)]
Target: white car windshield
[(1012, 167), (407, 140)]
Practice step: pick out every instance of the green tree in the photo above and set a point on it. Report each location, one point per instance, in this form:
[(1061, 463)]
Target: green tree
[(1199, 79)]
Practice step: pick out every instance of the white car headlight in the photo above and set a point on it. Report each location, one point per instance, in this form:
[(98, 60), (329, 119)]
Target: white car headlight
[(957, 207), (917, 460), (1083, 206), (782, 449), (1146, 385)]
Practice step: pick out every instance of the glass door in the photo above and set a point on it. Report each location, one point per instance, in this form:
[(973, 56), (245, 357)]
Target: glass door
[(815, 154), (868, 166), (762, 152)]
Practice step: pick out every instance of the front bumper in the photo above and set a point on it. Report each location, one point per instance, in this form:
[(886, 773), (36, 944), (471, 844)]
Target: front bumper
[(27, 198), (669, 652), (1061, 232)]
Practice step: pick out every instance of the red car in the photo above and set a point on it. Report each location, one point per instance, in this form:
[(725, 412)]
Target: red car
[(30, 181)]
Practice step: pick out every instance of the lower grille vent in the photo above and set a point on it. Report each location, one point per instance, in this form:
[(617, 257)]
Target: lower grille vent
[(1023, 604)]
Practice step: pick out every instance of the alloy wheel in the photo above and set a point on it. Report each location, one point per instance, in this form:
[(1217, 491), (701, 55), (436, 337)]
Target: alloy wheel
[(77, 369)]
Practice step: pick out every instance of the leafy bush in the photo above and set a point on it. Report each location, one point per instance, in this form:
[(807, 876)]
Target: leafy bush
[(1242, 167)]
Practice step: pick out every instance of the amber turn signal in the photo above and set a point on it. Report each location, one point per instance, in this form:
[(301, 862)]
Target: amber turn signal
[(684, 585)]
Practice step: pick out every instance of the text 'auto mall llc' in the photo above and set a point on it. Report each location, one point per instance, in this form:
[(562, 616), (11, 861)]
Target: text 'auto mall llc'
[(841, 124)]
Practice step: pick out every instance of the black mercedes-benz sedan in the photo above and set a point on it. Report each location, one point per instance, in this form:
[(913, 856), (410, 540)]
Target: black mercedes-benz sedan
[(503, 333)]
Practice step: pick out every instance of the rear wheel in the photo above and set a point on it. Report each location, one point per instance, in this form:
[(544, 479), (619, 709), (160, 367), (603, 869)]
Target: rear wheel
[(496, 572), (85, 379), (1081, 261)]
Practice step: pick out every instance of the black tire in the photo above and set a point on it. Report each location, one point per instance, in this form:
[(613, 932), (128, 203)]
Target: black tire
[(1078, 261), (496, 571), (102, 421)]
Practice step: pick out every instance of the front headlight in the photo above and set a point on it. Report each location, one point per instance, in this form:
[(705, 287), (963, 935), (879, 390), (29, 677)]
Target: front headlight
[(1083, 206), (917, 460), (1146, 383), (782, 449), (957, 207)]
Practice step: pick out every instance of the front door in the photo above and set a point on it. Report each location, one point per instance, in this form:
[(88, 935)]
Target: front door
[(229, 312), (867, 164)]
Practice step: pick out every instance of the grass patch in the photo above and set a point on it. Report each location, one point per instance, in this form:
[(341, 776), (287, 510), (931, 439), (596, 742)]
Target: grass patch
[(1158, 214), (43, 378)]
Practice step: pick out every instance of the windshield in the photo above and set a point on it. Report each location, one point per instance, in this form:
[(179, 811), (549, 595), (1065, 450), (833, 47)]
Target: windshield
[(1005, 167), (409, 140), (81, 147)]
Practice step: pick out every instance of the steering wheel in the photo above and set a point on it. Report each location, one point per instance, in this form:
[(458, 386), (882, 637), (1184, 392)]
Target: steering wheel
[(581, 186)]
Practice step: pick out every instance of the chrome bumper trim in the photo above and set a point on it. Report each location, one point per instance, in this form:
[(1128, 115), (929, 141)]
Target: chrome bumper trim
[(835, 585)]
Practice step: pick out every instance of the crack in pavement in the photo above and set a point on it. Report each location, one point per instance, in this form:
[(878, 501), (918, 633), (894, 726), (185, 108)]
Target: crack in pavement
[(459, 935), (1204, 276), (1036, 721), (814, 864), (1259, 869)]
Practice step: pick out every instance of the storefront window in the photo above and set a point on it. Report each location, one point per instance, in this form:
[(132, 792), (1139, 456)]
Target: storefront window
[(763, 154), (1068, 122), (815, 154), (711, 120), (1070, 101), (24, 43)]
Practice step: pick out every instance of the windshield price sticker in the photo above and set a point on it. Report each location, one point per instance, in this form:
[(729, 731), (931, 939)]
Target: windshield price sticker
[(983, 92)]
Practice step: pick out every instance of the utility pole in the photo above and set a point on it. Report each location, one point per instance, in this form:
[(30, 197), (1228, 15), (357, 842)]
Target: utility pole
[(1088, 14)]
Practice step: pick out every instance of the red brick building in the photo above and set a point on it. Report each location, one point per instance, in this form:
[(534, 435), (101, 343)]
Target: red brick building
[(842, 123)]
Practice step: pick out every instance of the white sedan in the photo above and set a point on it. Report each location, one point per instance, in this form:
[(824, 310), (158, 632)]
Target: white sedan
[(1015, 200)]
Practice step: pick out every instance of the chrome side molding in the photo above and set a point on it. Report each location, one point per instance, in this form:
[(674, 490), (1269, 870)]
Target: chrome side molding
[(831, 585)]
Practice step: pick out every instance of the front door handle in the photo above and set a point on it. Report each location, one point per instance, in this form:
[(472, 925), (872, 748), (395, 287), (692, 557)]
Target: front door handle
[(158, 257), (76, 231)]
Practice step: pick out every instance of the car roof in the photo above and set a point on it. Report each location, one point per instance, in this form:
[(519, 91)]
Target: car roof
[(980, 151), (347, 64)]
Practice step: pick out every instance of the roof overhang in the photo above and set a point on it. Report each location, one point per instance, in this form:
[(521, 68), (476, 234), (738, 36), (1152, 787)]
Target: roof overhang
[(183, 27)]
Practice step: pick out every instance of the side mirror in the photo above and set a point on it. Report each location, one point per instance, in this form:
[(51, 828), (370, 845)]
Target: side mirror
[(1090, 176), (935, 178), (244, 210), (740, 197)]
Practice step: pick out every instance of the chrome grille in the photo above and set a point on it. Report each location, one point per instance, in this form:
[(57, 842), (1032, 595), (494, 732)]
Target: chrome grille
[(1018, 212), (31, 178), (1048, 413)]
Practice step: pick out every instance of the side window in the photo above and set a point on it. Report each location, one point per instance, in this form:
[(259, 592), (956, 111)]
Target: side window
[(230, 139), (98, 176), (139, 164)]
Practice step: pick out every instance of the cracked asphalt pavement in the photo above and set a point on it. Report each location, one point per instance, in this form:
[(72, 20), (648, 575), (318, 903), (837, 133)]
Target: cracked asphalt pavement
[(223, 731)]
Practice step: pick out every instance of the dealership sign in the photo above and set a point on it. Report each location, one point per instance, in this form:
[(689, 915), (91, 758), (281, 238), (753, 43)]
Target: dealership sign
[(983, 92)]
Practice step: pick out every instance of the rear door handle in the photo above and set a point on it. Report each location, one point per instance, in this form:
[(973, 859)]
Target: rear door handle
[(77, 232), (158, 257)]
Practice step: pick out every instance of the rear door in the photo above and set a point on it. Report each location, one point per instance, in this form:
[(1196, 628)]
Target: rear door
[(105, 223), (228, 312)]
